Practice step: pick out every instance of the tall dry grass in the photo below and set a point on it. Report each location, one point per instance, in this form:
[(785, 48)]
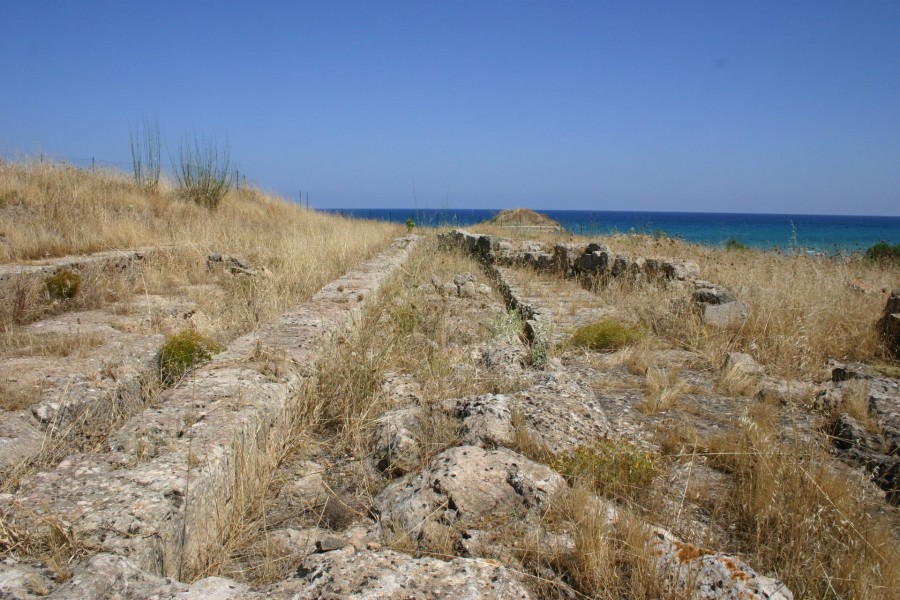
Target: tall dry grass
[(800, 516)]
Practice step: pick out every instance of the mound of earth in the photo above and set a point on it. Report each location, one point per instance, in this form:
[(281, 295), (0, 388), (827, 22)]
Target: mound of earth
[(522, 217)]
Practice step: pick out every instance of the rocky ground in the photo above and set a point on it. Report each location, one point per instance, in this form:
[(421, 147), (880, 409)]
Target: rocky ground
[(492, 459)]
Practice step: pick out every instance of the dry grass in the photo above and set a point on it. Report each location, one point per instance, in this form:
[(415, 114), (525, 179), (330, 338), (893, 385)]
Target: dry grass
[(413, 330), (855, 402), (17, 343), (663, 389), (410, 329), (802, 310), (611, 559), (735, 381), (796, 516), (801, 518), (25, 299), (16, 397)]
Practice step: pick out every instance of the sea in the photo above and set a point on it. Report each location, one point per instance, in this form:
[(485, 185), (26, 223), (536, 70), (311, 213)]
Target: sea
[(823, 234)]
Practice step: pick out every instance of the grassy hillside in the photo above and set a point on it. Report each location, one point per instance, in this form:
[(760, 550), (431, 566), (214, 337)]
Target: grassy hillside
[(49, 210)]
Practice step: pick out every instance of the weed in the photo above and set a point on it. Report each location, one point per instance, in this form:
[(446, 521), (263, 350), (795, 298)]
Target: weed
[(507, 326), (855, 402), (539, 349), (405, 318), (62, 285), (182, 351), (801, 518), (604, 335), (736, 381), (18, 397), (615, 468), (16, 344)]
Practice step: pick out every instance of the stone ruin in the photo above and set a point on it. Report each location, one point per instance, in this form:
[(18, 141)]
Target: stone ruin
[(159, 493), (717, 305)]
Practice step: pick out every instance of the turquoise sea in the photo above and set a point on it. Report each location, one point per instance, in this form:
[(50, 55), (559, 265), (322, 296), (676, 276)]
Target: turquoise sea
[(818, 233)]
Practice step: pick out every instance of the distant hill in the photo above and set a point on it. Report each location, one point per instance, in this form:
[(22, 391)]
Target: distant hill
[(523, 217)]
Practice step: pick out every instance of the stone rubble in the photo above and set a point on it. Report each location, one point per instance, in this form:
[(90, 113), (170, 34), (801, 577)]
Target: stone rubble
[(561, 413), (232, 265)]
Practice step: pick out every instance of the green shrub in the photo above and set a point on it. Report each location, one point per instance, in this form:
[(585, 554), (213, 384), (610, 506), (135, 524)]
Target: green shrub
[(607, 334), (62, 285), (883, 253), (616, 469), (182, 351), (732, 245)]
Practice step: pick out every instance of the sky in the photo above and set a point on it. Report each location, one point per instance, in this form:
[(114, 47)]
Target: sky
[(722, 106)]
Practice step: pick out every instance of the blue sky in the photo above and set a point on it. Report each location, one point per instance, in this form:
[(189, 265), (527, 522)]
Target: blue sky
[(788, 106)]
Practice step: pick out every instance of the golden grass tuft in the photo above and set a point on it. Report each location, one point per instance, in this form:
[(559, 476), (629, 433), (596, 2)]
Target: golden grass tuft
[(606, 334), (734, 381), (663, 389), (855, 402)]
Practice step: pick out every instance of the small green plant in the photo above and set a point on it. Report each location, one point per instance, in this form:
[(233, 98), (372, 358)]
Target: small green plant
[(539, 350), (616, 469), (410, 225), (507, 325), (203, 173), (732, 245), (182, 351), (883, 253), (606, 334), (62, 285)]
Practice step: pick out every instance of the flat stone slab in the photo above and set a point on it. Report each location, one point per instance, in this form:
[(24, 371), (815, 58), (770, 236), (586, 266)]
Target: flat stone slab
[(120, 259)]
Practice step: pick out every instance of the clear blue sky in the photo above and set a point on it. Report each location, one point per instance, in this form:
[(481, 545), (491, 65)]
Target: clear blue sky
[(728, 106)]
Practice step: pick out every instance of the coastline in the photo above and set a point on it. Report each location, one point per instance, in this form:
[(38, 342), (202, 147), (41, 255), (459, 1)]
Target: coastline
[(828, 234)]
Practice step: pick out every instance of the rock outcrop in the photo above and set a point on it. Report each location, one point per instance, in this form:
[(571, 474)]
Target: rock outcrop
[(461, 486)]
